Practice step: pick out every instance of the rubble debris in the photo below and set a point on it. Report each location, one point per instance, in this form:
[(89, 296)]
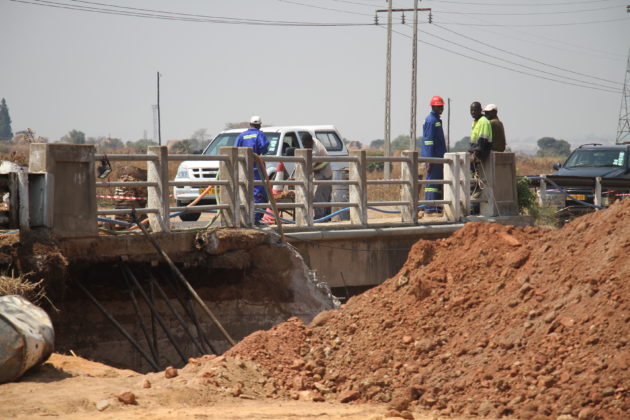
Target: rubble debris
[(493, 321)]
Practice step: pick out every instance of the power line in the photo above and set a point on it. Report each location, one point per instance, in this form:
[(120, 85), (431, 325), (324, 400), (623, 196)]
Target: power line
[(324, 8), (558, 12), (509, 68), (581, 49), (518, 64), (533, 25), (360, 3), (527, 58), (173, 16), (523, 4)]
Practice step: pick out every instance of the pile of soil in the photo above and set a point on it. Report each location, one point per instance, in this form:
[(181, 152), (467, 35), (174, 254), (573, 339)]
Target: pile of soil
[(493, 321)]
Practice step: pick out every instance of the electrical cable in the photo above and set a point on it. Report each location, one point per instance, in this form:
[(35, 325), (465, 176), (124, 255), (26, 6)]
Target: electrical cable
[(525, 58), (519, 64), (324, 8), (506, 68), (181, 17), (526, 13), (359, 3), (522, 4), (535, 25)]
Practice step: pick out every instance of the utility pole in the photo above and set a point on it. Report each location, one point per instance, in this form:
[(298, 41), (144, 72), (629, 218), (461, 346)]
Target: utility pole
[(623, 126), (388, 91), (448, 126), (155, 122), (414, 74), (414, 77), (159, 125)]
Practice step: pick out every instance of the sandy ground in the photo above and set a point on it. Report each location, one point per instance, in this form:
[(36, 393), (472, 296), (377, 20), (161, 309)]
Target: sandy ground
[(68, 387)]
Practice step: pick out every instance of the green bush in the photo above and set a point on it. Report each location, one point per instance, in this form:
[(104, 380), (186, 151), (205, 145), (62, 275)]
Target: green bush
[(528, 204), (526, 197)]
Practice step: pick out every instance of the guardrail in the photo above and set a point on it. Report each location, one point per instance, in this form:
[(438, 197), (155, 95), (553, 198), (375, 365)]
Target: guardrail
[(595, 184), (236, 182)]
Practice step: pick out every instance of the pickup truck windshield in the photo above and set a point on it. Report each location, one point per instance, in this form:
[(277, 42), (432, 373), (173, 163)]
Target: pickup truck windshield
[(229, 139), (596, 158)]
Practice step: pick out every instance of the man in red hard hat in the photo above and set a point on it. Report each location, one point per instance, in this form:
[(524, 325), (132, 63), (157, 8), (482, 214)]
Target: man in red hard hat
[(434, 146)]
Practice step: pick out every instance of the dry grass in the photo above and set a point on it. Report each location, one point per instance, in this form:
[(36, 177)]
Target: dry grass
[(34, 292), (384, 192), (535, 166)]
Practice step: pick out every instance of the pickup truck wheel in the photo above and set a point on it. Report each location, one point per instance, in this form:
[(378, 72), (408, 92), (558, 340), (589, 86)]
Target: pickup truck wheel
[(188, 217)]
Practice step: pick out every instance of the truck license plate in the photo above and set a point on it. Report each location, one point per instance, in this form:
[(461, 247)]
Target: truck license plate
[(580, 197)]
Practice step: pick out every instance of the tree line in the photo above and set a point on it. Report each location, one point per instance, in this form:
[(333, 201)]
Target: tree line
[(547, 146)]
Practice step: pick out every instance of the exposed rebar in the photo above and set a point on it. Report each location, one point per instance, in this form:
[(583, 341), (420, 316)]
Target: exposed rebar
[(120, 328)]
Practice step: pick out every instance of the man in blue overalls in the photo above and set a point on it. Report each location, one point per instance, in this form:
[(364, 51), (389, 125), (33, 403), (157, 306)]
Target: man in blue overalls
[(433, 145), (257, 140)]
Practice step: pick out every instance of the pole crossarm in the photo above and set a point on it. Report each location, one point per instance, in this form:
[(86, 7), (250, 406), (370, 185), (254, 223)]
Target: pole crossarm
[(419, 9)]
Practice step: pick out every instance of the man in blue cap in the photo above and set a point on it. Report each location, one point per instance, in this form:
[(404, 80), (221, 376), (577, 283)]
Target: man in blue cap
[(257, 140)]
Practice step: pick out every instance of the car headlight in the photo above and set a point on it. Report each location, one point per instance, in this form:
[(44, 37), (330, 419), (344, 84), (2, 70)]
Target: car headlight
[(182, 172)]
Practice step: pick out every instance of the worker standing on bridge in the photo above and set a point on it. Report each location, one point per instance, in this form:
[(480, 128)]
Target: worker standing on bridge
[(481, 135), (480, 148), (321, 170), (498, 132), (433, 146), (257, 140)]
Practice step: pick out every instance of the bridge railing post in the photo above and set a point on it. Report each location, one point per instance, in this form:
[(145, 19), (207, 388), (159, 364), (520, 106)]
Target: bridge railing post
[(453, 190), (304, 211), (245, 186), (228, 171), (358, 190), (409, 190), (488, 207), (158, 196), (464, 182)]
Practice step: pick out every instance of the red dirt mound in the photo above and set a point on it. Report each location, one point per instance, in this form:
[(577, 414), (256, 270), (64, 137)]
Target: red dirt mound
[(494, 320)]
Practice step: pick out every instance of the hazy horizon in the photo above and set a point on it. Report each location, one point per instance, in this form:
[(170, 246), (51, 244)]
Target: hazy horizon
[(95, 71)]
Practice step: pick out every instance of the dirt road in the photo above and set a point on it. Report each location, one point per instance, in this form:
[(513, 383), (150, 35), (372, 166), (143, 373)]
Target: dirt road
[(69, 387)]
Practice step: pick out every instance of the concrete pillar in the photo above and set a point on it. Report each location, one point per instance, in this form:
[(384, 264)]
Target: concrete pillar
[(63, 196), (358, 191), (452, 191), (409, 190), (597, 197), (542, 191), (304, 211), (504, 186), (246, 185), (228, 171), (158, 197)]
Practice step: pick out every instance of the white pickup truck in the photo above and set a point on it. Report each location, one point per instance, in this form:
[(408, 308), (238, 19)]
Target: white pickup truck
[(280, 139)]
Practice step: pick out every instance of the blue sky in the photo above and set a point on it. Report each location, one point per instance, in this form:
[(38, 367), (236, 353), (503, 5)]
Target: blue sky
[(95, 71)]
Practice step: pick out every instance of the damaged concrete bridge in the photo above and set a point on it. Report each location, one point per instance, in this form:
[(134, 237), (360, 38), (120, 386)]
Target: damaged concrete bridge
[(120, 301)]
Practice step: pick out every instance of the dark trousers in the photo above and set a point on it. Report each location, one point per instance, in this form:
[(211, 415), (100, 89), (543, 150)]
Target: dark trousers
[(434, 191)]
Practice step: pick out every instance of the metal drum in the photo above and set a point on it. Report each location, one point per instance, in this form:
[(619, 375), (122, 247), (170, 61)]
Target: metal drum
[(26, 337), (340, 193)]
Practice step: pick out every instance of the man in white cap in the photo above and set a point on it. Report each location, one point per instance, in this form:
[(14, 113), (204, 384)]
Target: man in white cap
[(498, 133), (257, 140)]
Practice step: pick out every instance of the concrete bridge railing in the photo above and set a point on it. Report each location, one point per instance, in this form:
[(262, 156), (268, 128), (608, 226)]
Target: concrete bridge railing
[(235, 183), (65, 182)]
